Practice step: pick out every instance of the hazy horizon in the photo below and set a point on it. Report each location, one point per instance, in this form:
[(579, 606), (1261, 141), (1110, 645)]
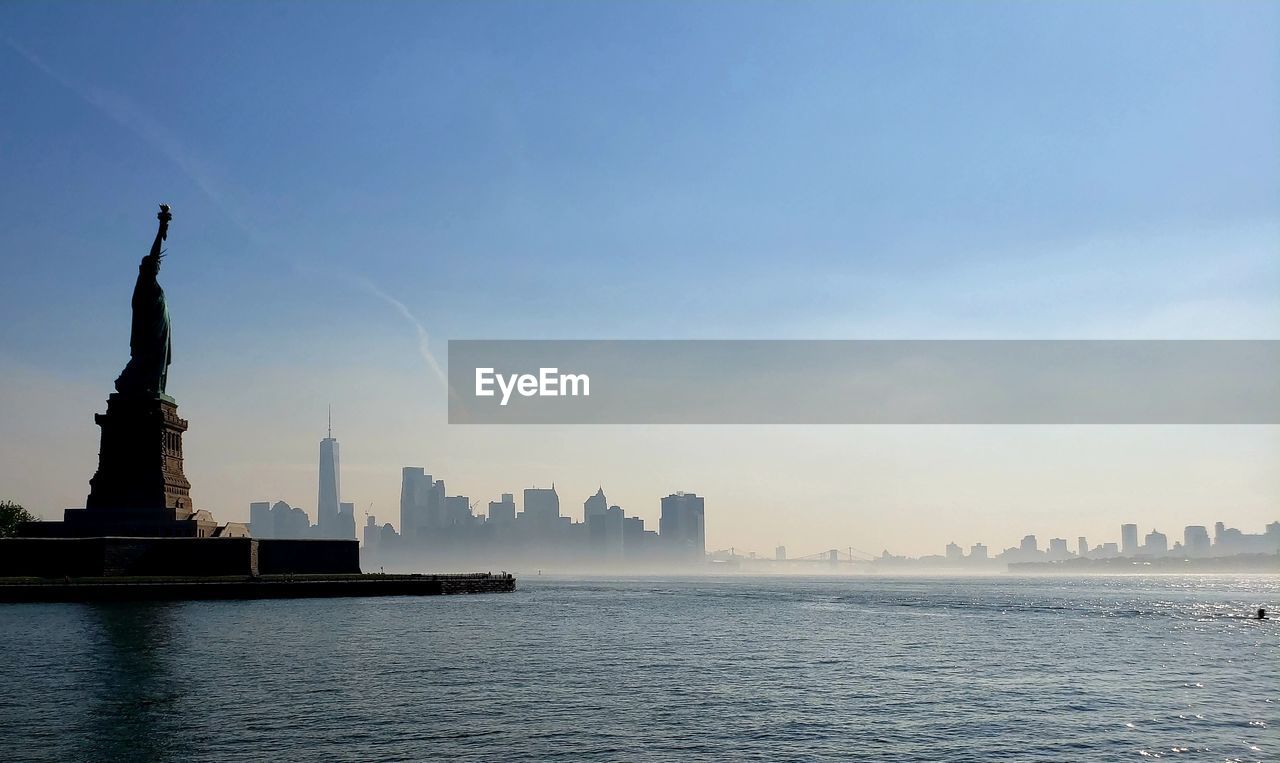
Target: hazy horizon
[(820, 170)]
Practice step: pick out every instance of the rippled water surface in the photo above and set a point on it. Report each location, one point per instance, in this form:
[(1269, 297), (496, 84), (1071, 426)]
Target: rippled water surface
[(975, 669)]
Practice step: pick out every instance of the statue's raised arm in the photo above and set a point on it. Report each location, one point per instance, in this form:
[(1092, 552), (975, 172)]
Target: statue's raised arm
[(164, 216), (149, 343)]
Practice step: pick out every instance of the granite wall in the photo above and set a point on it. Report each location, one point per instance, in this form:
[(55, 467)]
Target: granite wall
[(175, 557)]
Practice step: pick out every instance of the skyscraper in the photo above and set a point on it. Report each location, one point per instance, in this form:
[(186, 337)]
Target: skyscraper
[(605, 531), (541, 506), (289, 522), (327, 507), (457, 511), (346, 521), (596, 504), (635, 541), (421, 503), (682, 525), (1195, 540), (411, 480), (1156, 543), (1128, 539), (504, 511), (261, 524)]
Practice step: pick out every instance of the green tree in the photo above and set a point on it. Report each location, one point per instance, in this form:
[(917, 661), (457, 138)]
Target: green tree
[(12, 515)]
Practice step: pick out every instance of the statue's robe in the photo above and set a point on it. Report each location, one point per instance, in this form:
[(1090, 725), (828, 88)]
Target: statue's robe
[(150, 350)]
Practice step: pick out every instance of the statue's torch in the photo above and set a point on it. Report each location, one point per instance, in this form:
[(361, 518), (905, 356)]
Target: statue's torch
[(164, 216)]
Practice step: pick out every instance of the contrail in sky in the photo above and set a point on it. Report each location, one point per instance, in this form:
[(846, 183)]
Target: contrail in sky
[(424, 339), (128, 115), (124, 112)]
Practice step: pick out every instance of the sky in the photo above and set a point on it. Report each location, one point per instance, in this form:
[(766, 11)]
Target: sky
[(353, 184)]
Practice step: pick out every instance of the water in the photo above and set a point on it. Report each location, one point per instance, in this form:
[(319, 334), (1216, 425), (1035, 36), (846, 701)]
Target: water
[(659, 669)]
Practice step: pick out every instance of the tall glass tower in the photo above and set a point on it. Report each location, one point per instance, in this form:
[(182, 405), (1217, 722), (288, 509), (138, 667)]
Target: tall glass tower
[(327, 503)]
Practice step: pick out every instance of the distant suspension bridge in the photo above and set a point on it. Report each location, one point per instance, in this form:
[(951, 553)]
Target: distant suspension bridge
[(831, 557)]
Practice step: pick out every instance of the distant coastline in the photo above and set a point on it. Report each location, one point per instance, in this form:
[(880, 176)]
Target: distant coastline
[(1262, 563)]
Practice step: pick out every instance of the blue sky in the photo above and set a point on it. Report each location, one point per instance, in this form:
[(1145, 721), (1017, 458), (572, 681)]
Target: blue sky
[(574, 169)]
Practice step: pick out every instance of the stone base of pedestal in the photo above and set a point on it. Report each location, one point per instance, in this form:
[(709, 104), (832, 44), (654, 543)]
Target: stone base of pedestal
[(137, 523), (140, 457)]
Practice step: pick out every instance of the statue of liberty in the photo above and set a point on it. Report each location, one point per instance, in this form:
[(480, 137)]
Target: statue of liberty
[(149, 344)]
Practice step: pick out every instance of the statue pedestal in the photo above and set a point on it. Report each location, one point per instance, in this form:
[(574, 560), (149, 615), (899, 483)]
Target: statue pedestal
[(140, 460), (139, 490)]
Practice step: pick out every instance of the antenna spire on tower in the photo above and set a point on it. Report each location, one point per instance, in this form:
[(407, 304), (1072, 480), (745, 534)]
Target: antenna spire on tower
[(330, 422)]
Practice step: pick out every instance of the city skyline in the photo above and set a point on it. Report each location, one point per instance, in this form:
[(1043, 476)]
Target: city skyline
[(426, 508), (453, 511), (638, 496), (725, 532), (335, 518), (437, 529)]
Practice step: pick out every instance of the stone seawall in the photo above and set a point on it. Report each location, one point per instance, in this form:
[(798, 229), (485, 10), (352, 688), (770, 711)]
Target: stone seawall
[(267, 587), (124, 556)]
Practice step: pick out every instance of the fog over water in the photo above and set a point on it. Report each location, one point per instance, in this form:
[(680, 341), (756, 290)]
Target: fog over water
[(648, 668)]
